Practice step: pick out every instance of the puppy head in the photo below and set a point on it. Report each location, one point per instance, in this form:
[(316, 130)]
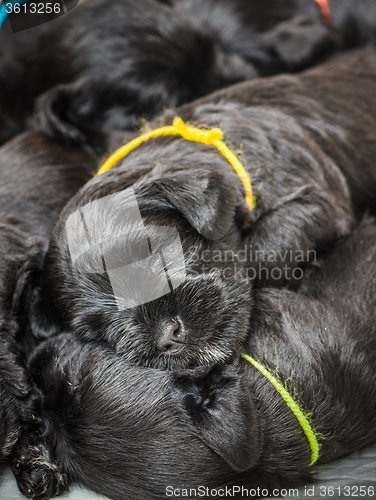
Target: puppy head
[(138, 268), (118, 428)]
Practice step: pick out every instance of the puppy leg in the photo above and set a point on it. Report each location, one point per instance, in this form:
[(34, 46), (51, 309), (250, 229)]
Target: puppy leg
[(12, 372), (37, 475)]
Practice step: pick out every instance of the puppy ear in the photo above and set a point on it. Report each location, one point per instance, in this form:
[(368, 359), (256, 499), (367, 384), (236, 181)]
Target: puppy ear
[(299, 41), (220, 407), (32, 264), (204, 198)]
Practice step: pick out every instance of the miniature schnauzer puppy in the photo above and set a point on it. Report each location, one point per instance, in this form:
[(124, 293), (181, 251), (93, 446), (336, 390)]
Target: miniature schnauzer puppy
[(104, 65), (138, 257), (37, 177), (320, 344)]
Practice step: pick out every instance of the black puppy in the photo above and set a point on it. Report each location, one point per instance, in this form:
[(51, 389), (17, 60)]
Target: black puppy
[(105, 64), (19, 253), (127, 431), (37, 177), (320, 344), (309, 144)]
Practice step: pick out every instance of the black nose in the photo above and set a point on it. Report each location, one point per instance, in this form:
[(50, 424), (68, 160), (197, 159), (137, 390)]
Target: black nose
[(172, 336)]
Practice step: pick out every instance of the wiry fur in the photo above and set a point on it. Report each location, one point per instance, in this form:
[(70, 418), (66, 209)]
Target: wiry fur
[(104, 65), (309, 145), (127, 431), (121, 430), (18, 255), (107, 63), (320, 343), (29, 207)]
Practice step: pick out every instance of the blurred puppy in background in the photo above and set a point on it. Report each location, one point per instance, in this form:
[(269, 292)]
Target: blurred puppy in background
[(37, 177), (309, 144)]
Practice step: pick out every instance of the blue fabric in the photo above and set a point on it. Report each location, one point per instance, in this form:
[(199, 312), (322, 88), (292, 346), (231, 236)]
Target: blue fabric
[(3, 9)]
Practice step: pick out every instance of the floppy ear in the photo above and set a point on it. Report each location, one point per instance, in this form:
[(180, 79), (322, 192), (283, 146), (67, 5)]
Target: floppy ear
[(222, 412), (203, 197), (299, 41)]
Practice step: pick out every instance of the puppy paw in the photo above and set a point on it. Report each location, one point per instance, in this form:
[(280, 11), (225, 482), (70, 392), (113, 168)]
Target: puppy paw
[(36, 473)]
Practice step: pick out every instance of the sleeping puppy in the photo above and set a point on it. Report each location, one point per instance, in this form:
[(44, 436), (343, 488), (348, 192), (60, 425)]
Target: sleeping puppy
[(19, 254), (104, 65), (127, 431), (149, 256), (116, 428), (37, 177)]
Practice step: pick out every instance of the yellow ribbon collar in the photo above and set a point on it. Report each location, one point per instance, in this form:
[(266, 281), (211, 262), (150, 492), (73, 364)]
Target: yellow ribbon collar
[(294, 407), (211, 137)]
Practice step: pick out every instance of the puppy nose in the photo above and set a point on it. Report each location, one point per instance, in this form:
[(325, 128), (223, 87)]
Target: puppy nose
[(172, 336)]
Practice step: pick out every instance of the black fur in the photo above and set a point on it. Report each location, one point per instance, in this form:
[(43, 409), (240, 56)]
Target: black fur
[(107, 63), (127, 431), (37, 177), (283, 35), (309, 145), (121, 430), (19, 254)]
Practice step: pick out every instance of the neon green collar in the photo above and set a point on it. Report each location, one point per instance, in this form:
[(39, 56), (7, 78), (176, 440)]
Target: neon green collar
[(294, 407)]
